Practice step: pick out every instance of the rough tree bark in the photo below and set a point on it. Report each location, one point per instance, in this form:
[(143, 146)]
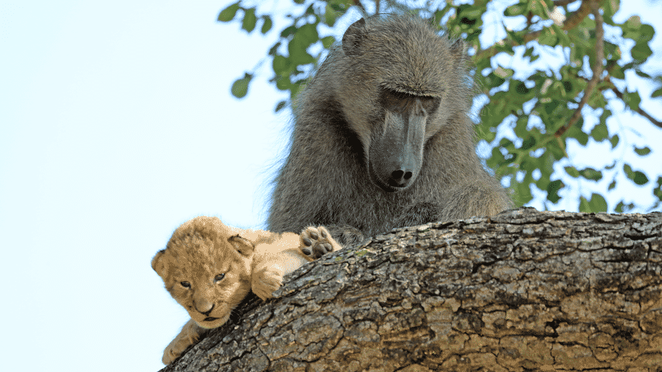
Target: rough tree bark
[(524, 290)]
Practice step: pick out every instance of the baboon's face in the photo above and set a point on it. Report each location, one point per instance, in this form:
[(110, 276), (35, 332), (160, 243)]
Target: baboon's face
[(395, 153), (396, 94)]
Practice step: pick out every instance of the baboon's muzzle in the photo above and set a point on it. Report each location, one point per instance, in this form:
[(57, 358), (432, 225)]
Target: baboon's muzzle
[(396, 150)]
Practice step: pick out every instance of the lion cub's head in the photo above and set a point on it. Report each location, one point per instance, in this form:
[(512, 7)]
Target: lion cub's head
[(206, 267)]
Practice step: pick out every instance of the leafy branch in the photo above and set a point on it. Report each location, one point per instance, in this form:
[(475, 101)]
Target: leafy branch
[(530, 114)]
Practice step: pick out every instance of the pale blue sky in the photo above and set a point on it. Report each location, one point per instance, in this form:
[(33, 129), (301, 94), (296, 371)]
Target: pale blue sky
[(117, 125)]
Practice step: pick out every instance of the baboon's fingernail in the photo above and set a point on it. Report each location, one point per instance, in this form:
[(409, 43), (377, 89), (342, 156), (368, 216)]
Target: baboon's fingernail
[(323, 233), (307, 241), (306, 251), (314, 235)]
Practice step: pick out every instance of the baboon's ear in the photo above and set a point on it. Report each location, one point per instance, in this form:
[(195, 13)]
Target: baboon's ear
[(458, 51), (243, 246), (157, 263), (351, 41)]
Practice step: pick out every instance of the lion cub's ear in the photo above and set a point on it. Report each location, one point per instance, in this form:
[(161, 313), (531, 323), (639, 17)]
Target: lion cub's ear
[(157, 263), (243, 246)]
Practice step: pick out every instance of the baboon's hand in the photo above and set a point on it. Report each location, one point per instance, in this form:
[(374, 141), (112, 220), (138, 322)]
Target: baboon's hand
[(346, 235), (316, 242), (267, 279)]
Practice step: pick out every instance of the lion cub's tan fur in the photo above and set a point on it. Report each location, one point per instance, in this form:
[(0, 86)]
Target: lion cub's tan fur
[(209, 268)]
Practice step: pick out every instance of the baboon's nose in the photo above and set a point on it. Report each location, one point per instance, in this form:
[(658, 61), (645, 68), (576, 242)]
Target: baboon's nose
[(400, 178)]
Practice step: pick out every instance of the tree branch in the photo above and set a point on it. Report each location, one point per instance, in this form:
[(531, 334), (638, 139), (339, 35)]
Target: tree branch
[(597, 67), (639, 111), (523, 290), (610, 85), (358, 4), (571, 22), (563, 2)]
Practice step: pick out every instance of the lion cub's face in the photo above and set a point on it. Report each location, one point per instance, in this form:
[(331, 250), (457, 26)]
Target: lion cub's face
[(206, 267)]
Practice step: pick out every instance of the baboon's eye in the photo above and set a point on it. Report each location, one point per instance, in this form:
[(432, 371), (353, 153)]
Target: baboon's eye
[(218, 278), (186, 285)]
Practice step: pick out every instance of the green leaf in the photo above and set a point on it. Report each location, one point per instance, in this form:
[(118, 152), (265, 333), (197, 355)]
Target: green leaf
[(597, 203), (227, 14), (308, 33), (298, 54), (642, 74), (249, 20), (614, 140), (657, 93), (617, 72), (328, 41), (267, 24), (591, 174), (330, 15), (548, 37), (274, 49), (280, 65), (553, 190), (647, 32), (623, 208), (287, 31), (515, 10), (611, 7), (283, 83), (637, 177), (523, 191), (640, 178), (600, 132), (576, 132), (658, 189), (280, 106), (642, 151), (572, 171), (240, 86), (563, 38), (612, 185), (641, 51)]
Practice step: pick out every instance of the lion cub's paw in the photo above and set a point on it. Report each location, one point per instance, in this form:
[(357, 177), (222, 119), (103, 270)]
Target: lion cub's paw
[(189, 335), (266, 280), (316, 242)]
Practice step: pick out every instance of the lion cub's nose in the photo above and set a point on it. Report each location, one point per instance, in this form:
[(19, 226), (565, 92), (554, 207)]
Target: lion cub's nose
[(203, 306)]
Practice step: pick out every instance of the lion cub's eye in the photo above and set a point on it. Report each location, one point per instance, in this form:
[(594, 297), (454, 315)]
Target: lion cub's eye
[(186, 285), (218, 278)]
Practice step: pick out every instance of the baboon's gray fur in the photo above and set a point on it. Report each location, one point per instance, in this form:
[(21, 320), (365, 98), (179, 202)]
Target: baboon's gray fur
[(382, 137)]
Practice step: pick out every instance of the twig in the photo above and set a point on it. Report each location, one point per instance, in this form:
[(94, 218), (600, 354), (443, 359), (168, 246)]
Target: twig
[(641, 112), (610, 85), (358, 4), (563, 2), (571, 22), (597, 66)]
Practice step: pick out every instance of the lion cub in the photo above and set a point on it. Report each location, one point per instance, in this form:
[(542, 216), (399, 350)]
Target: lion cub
[(209, 268)]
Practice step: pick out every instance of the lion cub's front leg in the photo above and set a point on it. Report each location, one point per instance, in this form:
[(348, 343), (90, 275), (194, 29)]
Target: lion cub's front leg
[(266, 279), (293, 251), (316, 242), (189, 335)]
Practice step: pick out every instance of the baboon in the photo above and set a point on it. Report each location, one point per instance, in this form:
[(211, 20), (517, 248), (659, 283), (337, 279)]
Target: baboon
[(382, 137)]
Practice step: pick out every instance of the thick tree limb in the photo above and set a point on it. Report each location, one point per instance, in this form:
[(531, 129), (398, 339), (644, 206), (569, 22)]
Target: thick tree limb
[(523, 290)]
